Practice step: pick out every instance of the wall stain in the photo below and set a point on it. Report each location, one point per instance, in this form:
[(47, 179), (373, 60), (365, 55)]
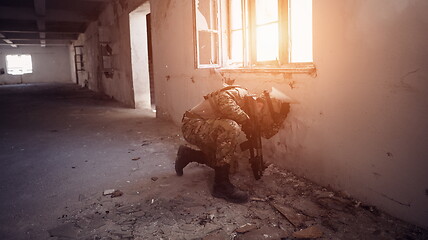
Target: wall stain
[(403, 84), (392, 199), (377, 174)]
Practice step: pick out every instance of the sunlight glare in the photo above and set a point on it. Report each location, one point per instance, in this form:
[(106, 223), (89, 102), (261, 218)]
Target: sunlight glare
[(301, 30), (19, 64), (267, 32), (267, 45)]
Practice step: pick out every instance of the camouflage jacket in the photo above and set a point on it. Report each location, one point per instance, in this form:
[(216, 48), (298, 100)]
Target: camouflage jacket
[(226, 103)]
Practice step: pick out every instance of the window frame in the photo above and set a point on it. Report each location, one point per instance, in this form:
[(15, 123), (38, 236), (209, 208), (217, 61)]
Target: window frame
[(225, 64), (196, 38), (248, 10), (21, 70)]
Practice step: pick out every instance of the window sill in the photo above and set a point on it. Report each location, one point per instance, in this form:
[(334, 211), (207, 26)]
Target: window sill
[(308, 68)]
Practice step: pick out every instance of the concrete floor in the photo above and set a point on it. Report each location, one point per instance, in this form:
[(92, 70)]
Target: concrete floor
[(62, 146), (59, 144)]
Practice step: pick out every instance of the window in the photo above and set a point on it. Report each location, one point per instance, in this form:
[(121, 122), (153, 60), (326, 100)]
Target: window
[(260, 33), (19, 64), (207, 33)]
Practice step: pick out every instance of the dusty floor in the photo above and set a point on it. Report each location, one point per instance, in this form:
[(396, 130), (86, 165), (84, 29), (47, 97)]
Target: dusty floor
[(61, 147)]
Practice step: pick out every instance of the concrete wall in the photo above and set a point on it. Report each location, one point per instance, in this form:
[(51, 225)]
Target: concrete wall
[(361, 123), (112, 28), (50, 64)]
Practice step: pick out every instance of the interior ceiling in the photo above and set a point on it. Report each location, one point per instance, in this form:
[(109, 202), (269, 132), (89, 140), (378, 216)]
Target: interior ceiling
[(45, 22)]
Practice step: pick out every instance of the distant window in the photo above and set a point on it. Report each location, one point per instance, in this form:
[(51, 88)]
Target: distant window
[(19, 64)]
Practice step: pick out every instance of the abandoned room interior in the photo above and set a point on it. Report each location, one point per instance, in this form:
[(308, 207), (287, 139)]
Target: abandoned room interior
[(93, 92)]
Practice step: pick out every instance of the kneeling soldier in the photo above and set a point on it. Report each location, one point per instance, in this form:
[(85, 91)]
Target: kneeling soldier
[(215, 124)]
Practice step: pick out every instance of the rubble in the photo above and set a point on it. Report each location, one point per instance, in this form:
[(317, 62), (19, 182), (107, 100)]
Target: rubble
[(246, 228), (182, 208), (116, 193), (108, 192), (296, 219), (309, 233)]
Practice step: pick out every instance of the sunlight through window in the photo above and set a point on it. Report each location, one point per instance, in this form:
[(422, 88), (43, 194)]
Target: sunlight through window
[(301, 30), (237, 46), (19, 64), (267, 32)]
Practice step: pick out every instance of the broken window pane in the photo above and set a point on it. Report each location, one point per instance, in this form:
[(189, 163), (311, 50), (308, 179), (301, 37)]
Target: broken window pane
[(207, 13), (207, 34), (208, 48)]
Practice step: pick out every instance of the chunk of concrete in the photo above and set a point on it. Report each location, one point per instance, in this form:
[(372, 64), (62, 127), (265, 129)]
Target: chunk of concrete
[(295, 218), (108, 192), (309, 233), (246, 228)]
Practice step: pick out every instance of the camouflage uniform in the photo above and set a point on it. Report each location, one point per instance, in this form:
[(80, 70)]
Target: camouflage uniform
[(214, 124)]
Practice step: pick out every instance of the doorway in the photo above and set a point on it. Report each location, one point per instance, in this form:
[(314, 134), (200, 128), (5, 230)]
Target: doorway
[(141, 58)]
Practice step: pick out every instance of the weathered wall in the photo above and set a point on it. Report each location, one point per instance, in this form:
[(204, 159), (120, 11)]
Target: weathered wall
[(360, 126), (361, 123), (50, 64), (111, 28)]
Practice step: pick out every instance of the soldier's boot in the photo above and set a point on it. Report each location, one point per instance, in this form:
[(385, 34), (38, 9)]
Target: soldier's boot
[(223, 188), (186, 155)]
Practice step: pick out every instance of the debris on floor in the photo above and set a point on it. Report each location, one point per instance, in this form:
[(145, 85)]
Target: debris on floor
[(246, 228), (116, 193), (309, 233), (108, 192), (282, 206)]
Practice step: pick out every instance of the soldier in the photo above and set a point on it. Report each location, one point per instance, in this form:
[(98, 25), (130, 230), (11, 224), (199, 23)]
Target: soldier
[(214, 126)]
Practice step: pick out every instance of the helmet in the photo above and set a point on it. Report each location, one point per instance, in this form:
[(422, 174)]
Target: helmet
[(276, 108), (278, 104)]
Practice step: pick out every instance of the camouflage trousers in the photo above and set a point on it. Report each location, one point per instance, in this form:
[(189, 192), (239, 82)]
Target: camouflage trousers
[(217, 138)]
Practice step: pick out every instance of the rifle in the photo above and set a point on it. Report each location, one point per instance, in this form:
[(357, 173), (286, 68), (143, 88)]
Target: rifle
[(254, 142)]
